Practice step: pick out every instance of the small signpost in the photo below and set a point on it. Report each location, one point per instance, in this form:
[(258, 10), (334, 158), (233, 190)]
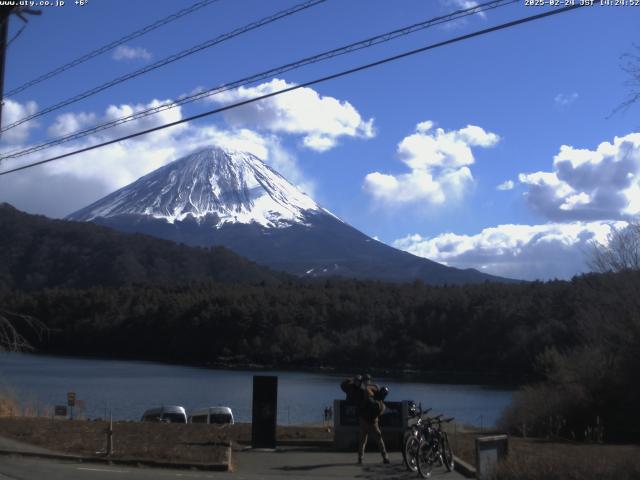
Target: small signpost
[(81, 408), (489, 451), (71, 402), (60, 411)]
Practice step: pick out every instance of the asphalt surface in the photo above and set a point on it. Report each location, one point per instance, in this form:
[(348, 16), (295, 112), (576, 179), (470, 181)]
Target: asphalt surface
[(286, 462), (21, 468), (14, 445)]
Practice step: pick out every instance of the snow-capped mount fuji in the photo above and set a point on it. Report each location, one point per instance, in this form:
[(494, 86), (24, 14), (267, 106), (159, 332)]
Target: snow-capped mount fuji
[(223, 197), (230, 186)]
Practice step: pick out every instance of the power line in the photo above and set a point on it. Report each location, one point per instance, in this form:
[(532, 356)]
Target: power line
[(177, 56), (110, 46), (15, 36), (369, 42), (343, 73)]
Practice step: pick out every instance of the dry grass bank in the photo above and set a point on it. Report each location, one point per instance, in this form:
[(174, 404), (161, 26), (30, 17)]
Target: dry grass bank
[(8, 406), (537, 459), (170, 442), (154, 441)]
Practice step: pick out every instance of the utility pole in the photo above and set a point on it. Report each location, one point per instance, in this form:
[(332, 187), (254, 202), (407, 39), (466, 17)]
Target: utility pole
[(5, 12), (4, 36)]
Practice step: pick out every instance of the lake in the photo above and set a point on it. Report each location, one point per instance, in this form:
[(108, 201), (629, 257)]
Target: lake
[(127, 388)]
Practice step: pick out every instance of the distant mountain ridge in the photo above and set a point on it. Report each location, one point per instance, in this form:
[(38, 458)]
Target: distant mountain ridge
[(37, 252), (233, 199)]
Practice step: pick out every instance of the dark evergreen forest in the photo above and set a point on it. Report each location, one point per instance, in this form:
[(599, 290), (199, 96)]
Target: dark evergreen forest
[(575, 344)]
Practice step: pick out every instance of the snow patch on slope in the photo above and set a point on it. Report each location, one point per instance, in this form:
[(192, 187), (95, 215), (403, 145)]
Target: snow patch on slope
[(231, 186)]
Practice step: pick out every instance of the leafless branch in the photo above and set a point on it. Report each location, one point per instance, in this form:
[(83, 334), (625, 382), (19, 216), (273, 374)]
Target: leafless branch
[(12, 328), (620, 253), (630, 65)]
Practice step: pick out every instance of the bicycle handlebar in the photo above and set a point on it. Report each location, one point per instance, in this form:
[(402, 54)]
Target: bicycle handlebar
[(438, 419), (423, 414)]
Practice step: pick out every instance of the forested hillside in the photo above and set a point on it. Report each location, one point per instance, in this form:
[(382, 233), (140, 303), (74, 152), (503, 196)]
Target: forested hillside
[(119, 295), (488, 329), (37, 252)]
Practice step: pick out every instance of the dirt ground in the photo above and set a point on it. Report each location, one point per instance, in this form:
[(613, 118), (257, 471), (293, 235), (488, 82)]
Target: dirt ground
[(158, 441), (531, 458), (528, 459)]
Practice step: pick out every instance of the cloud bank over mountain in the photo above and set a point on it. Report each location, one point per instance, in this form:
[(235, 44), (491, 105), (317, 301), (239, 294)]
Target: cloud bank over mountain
[(530, 252), (584, 195), (320, 121)]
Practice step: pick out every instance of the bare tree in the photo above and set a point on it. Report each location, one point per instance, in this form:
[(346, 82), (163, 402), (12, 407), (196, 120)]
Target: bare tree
[(620, 253), (12, 327), (631, 65)]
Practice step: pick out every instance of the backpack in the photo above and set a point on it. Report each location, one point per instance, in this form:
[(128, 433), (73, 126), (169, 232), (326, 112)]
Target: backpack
[(371, 408)]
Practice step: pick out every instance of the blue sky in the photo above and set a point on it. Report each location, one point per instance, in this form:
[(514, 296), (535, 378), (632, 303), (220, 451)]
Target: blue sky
[(411, 152)]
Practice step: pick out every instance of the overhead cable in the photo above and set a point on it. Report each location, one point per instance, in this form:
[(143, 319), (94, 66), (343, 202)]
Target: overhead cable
[(343, 73), (110, 46), (352, 47), (166, 61)]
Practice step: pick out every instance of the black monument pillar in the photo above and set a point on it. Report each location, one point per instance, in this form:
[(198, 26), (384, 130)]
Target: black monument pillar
[(265, 409)]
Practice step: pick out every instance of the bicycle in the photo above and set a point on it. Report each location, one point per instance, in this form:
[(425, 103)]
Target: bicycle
[(411, 439), (434, 447)]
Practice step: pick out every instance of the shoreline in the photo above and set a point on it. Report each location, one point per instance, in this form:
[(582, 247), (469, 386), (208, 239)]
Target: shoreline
[(497, 380)]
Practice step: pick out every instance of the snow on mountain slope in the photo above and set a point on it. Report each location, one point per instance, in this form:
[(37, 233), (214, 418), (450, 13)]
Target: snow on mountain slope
[(217, 197), (234, 187)]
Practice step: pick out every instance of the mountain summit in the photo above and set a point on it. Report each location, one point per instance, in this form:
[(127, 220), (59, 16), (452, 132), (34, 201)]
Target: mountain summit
[(222, 185), (223, 197)]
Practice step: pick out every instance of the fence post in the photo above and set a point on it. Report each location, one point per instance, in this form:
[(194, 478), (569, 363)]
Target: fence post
[(455, 436), (110, 436)]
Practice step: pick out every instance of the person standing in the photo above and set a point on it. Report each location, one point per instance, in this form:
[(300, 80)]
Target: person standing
[(362, 392), (370, 410)]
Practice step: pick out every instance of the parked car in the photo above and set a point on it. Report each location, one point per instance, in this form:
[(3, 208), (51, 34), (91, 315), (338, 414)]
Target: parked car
[(166, 413), (212, 415)]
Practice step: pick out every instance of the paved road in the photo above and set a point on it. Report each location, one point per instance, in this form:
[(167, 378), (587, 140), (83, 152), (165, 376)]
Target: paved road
[(249, 465), (16, 446), (21, 468)]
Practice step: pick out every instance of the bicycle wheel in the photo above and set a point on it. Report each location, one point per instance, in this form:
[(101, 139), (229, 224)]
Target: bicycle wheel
[(410, 452), (447, 453), (425, 458)]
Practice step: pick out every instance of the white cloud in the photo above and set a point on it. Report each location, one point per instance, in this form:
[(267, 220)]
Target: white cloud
[(529, 252), (476, 136), (563, 100), (425, 126), (589, 184), (439, 166), (461, 5), (68, 123), (12, 112), (114, 112), (123, 52), (506, 185), (60, 187), (320, 120), (319, 143)]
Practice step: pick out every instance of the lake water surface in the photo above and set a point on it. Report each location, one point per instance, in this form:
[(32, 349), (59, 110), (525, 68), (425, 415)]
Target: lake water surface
[(127, 388)]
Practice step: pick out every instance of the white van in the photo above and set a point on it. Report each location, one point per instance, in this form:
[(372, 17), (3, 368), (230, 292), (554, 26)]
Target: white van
[(212, 415), (166, 414)]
